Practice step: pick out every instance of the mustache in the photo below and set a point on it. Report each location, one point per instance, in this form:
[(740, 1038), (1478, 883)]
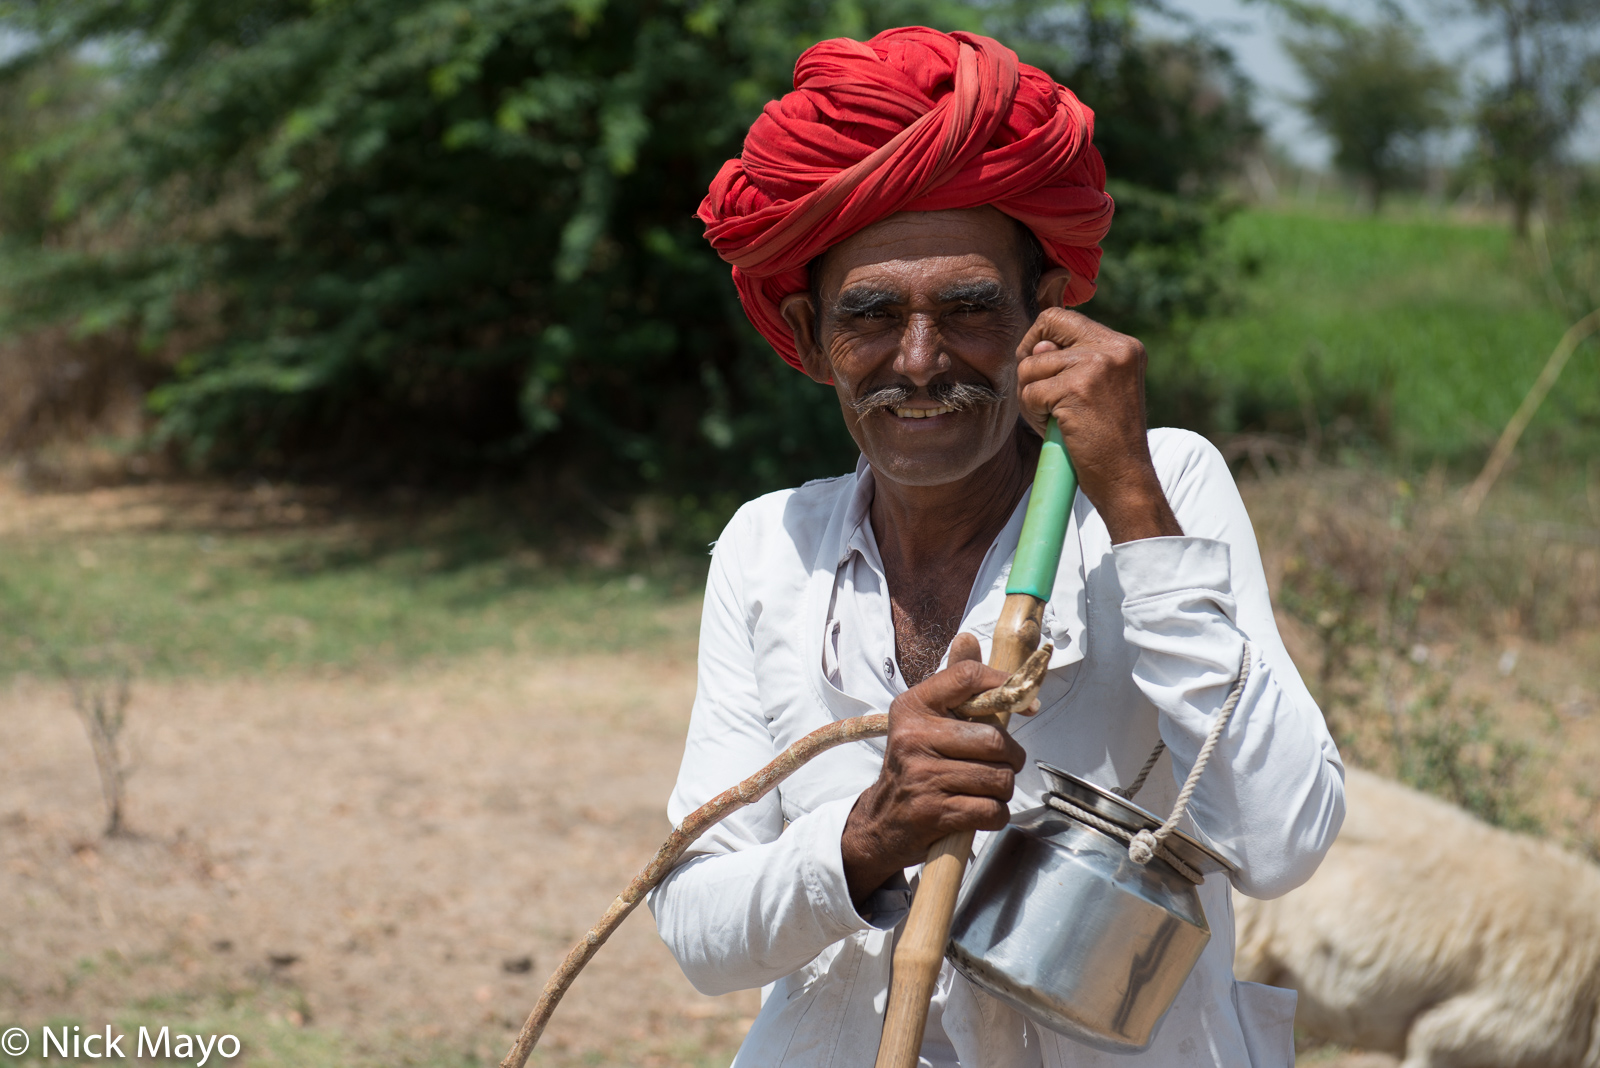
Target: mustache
[(958, 395)]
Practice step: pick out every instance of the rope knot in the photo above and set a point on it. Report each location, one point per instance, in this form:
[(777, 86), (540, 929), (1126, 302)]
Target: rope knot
[(1142, 849)]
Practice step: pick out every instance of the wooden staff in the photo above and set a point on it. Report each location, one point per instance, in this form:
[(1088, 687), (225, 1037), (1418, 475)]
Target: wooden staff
[(920, 952), (1015, 694)]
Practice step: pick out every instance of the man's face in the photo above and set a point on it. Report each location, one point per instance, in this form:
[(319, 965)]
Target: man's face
[(919, 323)]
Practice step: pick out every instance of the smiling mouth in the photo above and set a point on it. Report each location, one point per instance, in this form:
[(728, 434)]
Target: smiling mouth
[(923, 413)]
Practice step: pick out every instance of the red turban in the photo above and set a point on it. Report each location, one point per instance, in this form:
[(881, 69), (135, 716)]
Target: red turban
[(912, 120)]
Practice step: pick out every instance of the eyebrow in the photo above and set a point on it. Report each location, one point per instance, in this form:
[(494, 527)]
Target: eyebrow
[(862, 299), (978, 291)]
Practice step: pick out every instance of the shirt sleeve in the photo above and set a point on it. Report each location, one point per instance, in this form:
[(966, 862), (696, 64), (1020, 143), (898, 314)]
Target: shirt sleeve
[(1272, 796), (753, 900)]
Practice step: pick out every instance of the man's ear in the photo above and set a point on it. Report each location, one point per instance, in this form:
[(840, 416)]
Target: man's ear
[(800, 312), (1053, 287)]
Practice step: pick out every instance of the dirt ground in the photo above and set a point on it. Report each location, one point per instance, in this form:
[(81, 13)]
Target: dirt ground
[(398, 861), (382, 867), (382, 857)]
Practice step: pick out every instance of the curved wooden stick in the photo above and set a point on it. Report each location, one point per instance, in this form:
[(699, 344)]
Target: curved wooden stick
[(698, 822), (1015, 694)]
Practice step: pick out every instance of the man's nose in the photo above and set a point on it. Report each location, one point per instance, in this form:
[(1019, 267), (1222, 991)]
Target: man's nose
[(921, 357)]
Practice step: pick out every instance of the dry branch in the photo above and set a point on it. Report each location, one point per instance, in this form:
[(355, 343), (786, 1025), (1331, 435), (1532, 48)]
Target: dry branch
[(1575, 335), (102, 707), (698, 822), (1014, 695)]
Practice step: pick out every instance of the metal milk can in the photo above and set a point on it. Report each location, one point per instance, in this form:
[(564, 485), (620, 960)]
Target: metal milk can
[(1059, 922)]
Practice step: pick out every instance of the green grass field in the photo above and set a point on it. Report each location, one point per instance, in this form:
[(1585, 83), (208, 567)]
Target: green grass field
[(1412, 336), (230, 603)]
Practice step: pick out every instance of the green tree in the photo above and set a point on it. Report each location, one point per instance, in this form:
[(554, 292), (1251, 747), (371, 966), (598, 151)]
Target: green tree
[(406, 236), (1551, 52), (1375, 91), (37, 109)]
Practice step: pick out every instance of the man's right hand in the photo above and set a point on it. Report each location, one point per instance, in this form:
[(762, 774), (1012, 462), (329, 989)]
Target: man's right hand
[(940, 775)]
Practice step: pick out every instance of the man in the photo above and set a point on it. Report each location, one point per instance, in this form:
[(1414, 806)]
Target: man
[(908, 225)]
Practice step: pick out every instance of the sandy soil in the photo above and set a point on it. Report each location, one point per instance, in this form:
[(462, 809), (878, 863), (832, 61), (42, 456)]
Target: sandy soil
[(378, 857), (160, 506), (395, 861), (383, 853)]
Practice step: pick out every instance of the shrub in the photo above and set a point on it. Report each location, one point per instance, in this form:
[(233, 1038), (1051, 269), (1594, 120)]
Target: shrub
[(408, 237)]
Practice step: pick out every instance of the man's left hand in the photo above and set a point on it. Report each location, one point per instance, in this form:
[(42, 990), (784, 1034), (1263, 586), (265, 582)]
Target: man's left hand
[(1091, 378)]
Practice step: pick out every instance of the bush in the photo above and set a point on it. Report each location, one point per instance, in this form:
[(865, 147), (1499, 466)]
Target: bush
[(401, 238), (1401, 604)]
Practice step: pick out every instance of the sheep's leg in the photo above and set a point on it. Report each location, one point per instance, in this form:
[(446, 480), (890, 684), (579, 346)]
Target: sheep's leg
[(1481, 1030)]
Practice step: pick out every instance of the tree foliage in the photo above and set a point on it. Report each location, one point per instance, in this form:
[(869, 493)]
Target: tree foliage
[(1376, 91), (389, 236), (1525, 120)]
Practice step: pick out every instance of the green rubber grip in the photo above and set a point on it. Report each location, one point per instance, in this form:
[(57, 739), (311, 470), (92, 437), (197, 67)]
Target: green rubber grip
[(1044, 528)]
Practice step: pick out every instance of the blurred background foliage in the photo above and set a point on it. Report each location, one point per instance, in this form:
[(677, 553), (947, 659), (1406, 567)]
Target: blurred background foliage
[(434, 242), (1377, 91), (417, 240)]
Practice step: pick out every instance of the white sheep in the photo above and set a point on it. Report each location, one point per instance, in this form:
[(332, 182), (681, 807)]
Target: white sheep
[(1431, 935)]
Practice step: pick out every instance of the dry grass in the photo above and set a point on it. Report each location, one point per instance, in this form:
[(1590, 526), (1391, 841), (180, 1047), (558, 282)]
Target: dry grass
[(349, 867), (1458, 654), (30, 513)]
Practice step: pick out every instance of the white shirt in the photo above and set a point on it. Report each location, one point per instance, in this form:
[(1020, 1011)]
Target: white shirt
[(1148, 637)]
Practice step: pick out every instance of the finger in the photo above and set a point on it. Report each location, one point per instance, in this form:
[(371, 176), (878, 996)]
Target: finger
[(965, 647), (1046, 362), (1050, 395), (1047, 378), (948, 738), (1016, 756), (966, 740), (947, 688), (974, 814), (1061, 327), (966, 778)]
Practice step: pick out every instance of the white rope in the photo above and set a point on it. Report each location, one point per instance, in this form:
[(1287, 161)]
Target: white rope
[(1146, 845), (1144, 773), (1061, 804)]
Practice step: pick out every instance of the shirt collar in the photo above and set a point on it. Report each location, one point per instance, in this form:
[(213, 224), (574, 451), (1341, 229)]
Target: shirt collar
[(1066, 614), (853, 533)]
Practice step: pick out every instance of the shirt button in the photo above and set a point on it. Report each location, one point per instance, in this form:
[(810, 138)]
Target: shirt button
[(888, 669)]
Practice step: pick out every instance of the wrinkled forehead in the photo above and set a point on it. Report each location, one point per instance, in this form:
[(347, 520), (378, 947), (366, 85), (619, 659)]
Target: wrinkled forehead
[(930, 247)]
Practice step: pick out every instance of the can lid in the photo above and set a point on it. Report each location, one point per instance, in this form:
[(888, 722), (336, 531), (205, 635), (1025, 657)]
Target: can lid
[(1114, 808)]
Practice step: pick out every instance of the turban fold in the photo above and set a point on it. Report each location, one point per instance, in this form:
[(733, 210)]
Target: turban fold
[(912, 120)]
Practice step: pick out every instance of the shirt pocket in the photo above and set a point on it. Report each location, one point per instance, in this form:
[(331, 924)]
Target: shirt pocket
[(799, 982), (819, 1016), (1266, 1017)]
